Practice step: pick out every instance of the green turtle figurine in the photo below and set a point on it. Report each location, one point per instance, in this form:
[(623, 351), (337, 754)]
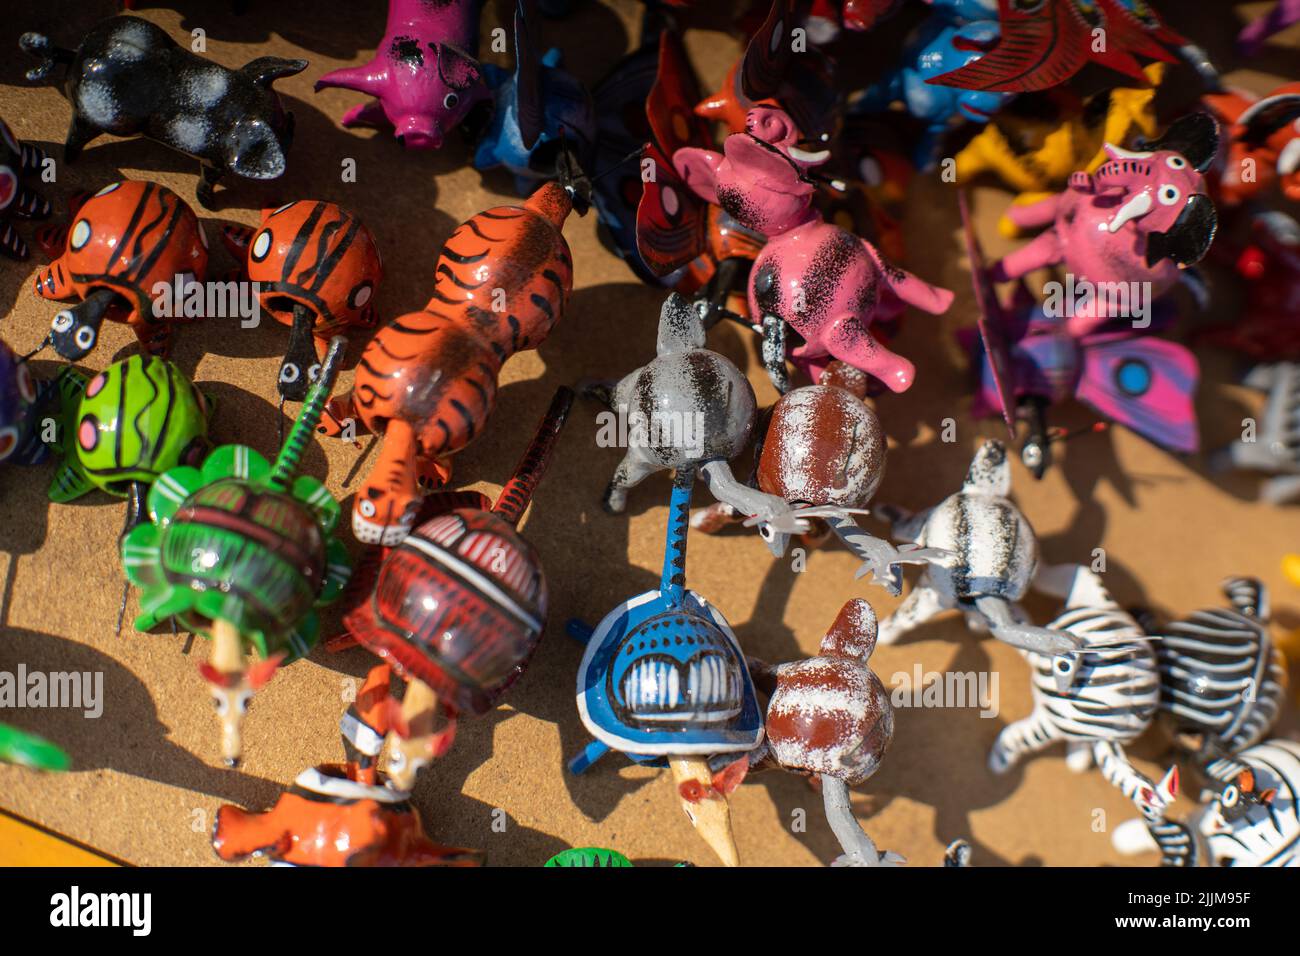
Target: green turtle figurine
[(242, 551)]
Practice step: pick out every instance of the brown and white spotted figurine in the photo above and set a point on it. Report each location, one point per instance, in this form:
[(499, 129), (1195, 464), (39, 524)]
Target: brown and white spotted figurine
[(823, 451), (347, 814), (830, 715)]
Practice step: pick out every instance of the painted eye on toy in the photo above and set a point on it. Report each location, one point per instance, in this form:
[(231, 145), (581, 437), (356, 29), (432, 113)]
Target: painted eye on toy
[(361, 294), (450, 101), (1230, 796), (766, 532), (313, 373), (62, 321), (1176, 162), (289, 373), (242, 701), (26, 387), (1169, 195), (221, 704), (261, 246), (8, 441), (84, 337), (367, 509), (80, 235)]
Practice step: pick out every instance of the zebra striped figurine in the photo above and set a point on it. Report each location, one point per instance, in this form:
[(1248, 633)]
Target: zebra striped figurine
[(1250, 820), (992, 562), (1097, 699), (1221, 678)]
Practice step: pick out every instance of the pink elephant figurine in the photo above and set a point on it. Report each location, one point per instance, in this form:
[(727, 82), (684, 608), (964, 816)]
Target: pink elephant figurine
[(1130, 227), (827, 283), (424, 76)]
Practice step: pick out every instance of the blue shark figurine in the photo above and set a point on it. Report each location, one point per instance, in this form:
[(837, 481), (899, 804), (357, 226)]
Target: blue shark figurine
[(940, 45), (539, 110)]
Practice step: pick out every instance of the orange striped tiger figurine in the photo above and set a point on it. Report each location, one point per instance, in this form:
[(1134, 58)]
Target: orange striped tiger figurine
[(428, 380)]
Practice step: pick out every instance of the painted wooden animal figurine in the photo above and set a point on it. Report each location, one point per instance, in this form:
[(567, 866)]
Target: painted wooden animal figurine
[(1248, 816), (1036, 154), (26, 403), (1274, 449), (458, 607), (135, 420), (937, 47), (125, 242), (1141, 218), (663, 680), (995, 558), (427, 381), (129, 78), (347, 814), (689, 408), (827, 283), (1096, 699), (830, 716), (1264, 327), (241, 551), (589, 856), (424, 76), (28, 750), (317, 270), (539, 110), (1263, 145), (18, 159), (1222, 679), (1254, 36), (824, 451)]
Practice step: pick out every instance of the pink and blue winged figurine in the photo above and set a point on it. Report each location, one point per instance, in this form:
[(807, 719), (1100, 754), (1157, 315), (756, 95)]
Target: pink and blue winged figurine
[(1027, 361), (539, 111), (663, 674)]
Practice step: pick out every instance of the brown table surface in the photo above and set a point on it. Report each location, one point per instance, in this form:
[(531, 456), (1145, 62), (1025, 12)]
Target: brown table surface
[(147, 777)]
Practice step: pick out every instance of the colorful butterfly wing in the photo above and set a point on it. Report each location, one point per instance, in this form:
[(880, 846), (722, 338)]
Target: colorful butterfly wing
[(671, 221), (767, 57), (1043, 44), (1144, 383), (620, 101)]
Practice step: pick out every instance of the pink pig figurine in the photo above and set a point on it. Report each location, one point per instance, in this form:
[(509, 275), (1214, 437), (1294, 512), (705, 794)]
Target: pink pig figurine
[(827, 283), (1133, 224), (424, 75)]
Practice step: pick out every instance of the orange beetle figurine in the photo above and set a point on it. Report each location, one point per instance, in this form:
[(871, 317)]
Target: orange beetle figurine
[(317, 269), (129, 246)]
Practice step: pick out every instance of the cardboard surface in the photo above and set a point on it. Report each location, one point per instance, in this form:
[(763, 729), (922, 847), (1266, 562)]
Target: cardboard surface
[(147, 778)]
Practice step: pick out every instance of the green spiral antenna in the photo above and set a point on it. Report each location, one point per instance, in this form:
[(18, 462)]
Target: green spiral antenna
[(308, 417)]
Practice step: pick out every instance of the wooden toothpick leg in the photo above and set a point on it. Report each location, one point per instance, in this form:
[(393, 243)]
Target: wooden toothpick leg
[(710, 814), (408, 753), (227, 654)]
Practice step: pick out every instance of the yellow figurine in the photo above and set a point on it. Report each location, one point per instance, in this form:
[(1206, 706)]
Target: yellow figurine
[(1036, 158)]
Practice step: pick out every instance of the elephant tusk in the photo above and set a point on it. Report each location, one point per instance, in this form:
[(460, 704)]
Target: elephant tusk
[(1135, 208)]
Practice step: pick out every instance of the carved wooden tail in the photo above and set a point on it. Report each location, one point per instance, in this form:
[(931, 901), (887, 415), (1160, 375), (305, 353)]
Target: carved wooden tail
[(514, 497)]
